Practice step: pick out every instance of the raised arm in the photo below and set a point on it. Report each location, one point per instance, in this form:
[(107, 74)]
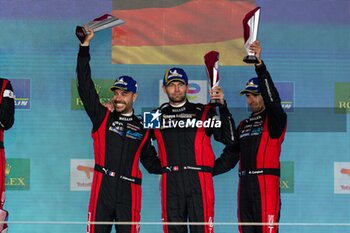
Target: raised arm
[(277, 118), (226, 133), (86, 87)]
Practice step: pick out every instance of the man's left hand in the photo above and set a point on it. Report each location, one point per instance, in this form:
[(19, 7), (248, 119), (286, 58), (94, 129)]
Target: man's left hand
[(216, 93)]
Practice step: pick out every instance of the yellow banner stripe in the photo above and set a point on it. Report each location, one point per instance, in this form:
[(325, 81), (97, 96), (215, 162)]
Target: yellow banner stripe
[(231, 53)]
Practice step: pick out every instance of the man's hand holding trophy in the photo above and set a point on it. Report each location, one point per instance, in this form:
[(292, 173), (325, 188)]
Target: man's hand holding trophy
[(103, 22)]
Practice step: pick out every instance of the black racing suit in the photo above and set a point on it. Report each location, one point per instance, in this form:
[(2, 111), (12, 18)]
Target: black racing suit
[(258, 148), (7, 118), (119, 142), (187, 159)]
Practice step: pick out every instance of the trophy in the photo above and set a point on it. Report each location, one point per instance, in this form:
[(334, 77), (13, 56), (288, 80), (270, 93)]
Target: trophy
[(250, 29), (211, 60), (103, 22)]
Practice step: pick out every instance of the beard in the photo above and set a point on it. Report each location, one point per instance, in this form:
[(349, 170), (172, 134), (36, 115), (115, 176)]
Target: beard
[(177, 98), (256, 109), (124, 108)]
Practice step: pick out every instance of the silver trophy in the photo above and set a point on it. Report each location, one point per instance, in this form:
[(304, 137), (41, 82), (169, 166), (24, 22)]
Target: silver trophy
[(103, 22), (250, 30), (211, 60)]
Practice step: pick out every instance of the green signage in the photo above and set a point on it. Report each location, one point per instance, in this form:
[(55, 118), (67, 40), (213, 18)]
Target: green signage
[(287, 177), (17, 174), (102, 88)]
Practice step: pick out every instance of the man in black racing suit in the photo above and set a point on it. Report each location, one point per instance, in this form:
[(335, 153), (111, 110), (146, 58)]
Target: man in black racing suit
[(119, 142), (258, 147), (186, 154), (7, 118)]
